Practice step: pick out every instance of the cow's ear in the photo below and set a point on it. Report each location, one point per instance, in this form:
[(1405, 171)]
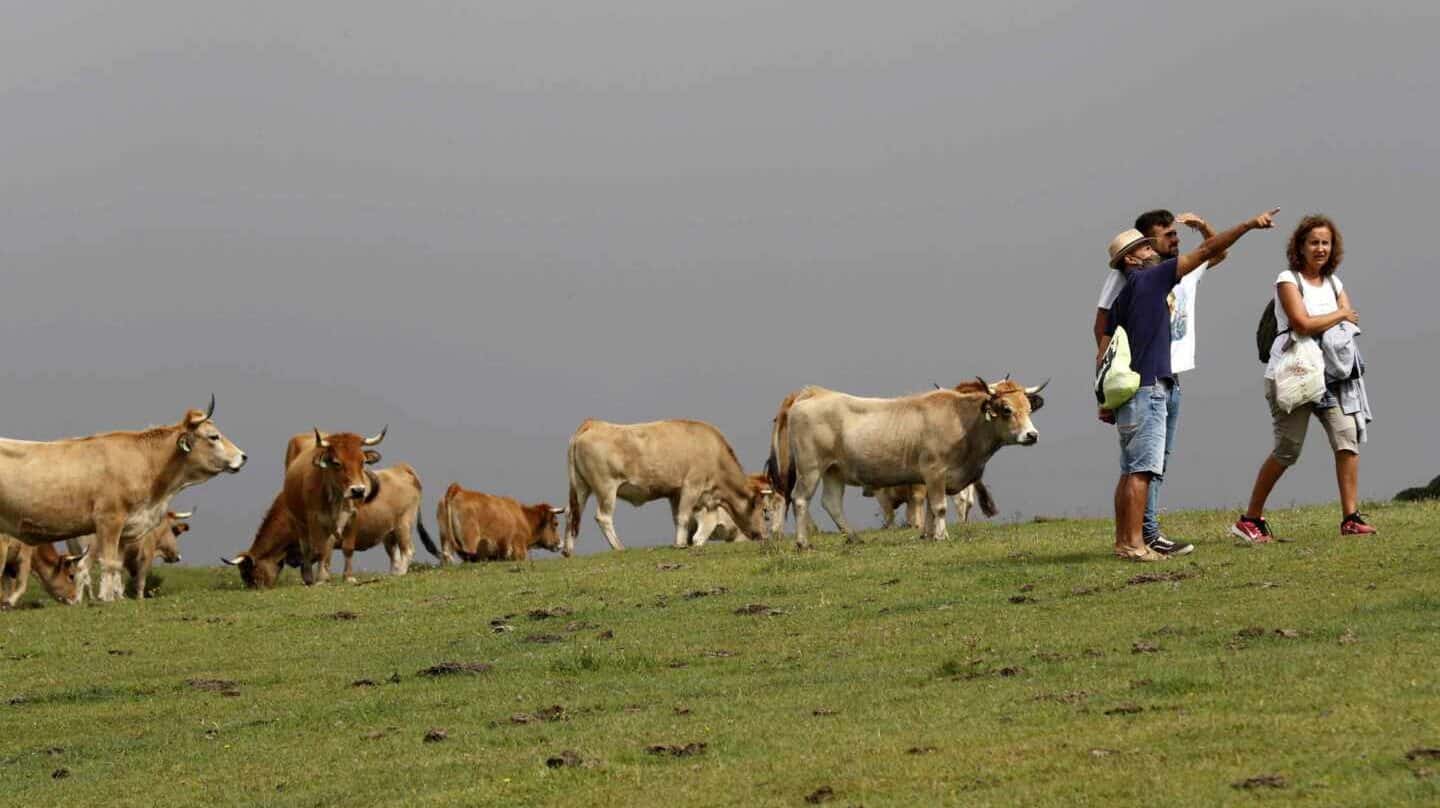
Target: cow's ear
[(322, 460), (1036, 401), (184, 443), (372, 457)]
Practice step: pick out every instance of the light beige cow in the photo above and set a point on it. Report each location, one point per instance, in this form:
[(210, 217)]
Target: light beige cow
[(942, 438), (116, 485), (688, 463), (891, 497)]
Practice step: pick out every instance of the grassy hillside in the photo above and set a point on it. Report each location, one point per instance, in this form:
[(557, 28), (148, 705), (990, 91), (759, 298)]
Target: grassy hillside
[(1019, 665)]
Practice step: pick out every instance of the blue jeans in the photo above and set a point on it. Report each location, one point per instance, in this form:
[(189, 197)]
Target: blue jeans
[(1152, 502)]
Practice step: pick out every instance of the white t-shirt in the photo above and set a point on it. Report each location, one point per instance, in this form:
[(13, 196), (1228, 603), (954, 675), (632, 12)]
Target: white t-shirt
[(1319, 301), (1182, 313)]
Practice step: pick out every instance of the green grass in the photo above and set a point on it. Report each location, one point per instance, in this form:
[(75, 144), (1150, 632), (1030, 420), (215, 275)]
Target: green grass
[(898, 673)]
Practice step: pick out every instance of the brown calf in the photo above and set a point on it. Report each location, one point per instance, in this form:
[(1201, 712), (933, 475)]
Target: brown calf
[(483, 527)]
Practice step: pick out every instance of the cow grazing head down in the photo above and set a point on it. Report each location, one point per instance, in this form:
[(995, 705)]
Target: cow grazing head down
[(58, 572), (204, 447), (344, 456), (167, 542), (547, 528), (1008, 407)]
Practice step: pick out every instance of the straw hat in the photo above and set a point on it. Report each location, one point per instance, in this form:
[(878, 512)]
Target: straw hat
[(1122, 244)]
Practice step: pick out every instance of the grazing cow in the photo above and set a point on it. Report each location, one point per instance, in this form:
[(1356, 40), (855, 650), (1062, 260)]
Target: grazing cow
[(386, 520), (116, 485), (688, 463), (912, 497), (772, 504), (484, 527), (324, 485), (57, 572), (942, 438)]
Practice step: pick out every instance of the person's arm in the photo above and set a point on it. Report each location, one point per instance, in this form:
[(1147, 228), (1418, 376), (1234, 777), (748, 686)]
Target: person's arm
[(1194, 222), (1307, 326), (1101, 316), (1218, 244)]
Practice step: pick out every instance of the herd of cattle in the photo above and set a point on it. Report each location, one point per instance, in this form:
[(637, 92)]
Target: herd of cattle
[(108, 495)]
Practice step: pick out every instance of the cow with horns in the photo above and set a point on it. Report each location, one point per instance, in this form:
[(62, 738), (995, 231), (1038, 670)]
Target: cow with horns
[(324, 486)]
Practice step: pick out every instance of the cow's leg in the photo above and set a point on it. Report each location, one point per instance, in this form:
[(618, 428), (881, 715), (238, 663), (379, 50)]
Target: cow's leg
[(107, 548), (887, 510), (964, 501), (82, 574), (705, 525), (605, 518), (13, 588), (405, 543), (579, 496), (935, 492), (347, 546), (683, 510), (832, 499), (805, 484)]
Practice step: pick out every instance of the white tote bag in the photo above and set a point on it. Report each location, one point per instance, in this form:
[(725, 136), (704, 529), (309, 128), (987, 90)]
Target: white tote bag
[(1300, 376)]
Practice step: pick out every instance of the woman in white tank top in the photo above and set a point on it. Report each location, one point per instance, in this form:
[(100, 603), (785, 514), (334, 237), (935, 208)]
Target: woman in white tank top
[(1309, 300)]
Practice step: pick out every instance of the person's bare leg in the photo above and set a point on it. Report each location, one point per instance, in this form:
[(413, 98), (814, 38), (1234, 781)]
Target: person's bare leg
[(1270, 472), (1347, 474), (1130, 496)]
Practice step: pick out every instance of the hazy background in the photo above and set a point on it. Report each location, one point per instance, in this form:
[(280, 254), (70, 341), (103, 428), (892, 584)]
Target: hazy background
[(483, 223)]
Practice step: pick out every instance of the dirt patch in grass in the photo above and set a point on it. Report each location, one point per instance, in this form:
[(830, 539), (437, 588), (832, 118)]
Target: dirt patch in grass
[(569, 758), (705, 593), (1144, 647), (553, 611), (669, 567), (435, 735), (819, 795), (1160, 577), (554, 712), (1125, 709), (344, 616), (1261, 781), (920, 750), (543, 639), (1022, 599), (455, 669), (677, 750), (224, 687), (1068, 697), (1423, 753), (758, 609)]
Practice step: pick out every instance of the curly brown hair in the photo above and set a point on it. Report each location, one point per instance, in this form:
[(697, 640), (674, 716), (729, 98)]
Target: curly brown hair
[(1337, 244)]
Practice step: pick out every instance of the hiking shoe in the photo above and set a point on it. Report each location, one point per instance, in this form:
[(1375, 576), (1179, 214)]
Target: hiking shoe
[(1252, 531), (1165, 547), (1355, 525)]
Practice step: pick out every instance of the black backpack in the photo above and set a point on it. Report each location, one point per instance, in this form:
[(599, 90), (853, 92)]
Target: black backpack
[(1269, 328)]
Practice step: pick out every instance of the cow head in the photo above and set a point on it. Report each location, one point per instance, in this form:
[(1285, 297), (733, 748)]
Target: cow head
[(255, 573), (203, 447), (58, 572), (756, 519), (1007, 410), (546, 528), (342, 457), (167, 539)]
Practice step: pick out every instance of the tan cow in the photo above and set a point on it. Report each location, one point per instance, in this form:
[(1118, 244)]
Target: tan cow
[(386, 520), (772, 504), (116, 485), (56, 571), (688, 463), (484, 527), (942, 438), (324, 485), (913, 498)]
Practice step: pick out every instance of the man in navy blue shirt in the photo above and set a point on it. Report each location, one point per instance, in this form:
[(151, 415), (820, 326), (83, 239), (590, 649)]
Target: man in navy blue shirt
[(1143, 310)]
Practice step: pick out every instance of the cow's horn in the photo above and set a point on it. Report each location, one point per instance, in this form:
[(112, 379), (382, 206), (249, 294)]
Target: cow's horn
[(375, 441), (558, 511), (234, 562), (986, 384), (185, 515), (319, 441), (210, 410), (1033, 390)]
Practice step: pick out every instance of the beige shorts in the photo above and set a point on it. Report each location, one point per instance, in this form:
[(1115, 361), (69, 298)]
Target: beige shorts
[(1290, 428)]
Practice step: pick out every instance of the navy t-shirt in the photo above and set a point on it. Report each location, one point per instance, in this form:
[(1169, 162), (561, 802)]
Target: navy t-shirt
[(1142, 308)]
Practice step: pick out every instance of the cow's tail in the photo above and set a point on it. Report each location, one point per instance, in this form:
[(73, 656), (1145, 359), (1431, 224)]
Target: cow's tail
[(449, 502), (572, 512), (982, 494), (425, 536), (778, 466)]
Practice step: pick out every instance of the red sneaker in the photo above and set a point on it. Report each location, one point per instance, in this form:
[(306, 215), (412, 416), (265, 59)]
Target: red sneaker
[(1252, 531), (1355, 525)]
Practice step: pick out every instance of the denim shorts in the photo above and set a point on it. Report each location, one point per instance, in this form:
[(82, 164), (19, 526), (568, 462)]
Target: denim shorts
[(1141, 424)]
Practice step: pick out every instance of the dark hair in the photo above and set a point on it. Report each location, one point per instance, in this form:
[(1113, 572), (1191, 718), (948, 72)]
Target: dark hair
[(1302, 231), (1153, 218)]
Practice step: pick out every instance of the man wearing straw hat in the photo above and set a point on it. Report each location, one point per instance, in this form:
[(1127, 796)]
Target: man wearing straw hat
[(1160, 226), (1142, 309)]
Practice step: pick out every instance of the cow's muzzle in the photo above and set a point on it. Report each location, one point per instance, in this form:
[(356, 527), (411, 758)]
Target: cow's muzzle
[(1030, 438), (355, 492), (238, 463)]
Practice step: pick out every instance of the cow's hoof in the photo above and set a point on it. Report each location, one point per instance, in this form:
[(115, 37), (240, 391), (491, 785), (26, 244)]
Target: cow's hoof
[(351, 579), (802, 546)]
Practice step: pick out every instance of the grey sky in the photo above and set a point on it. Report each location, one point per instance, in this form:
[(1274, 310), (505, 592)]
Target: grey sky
[(484, 223)]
